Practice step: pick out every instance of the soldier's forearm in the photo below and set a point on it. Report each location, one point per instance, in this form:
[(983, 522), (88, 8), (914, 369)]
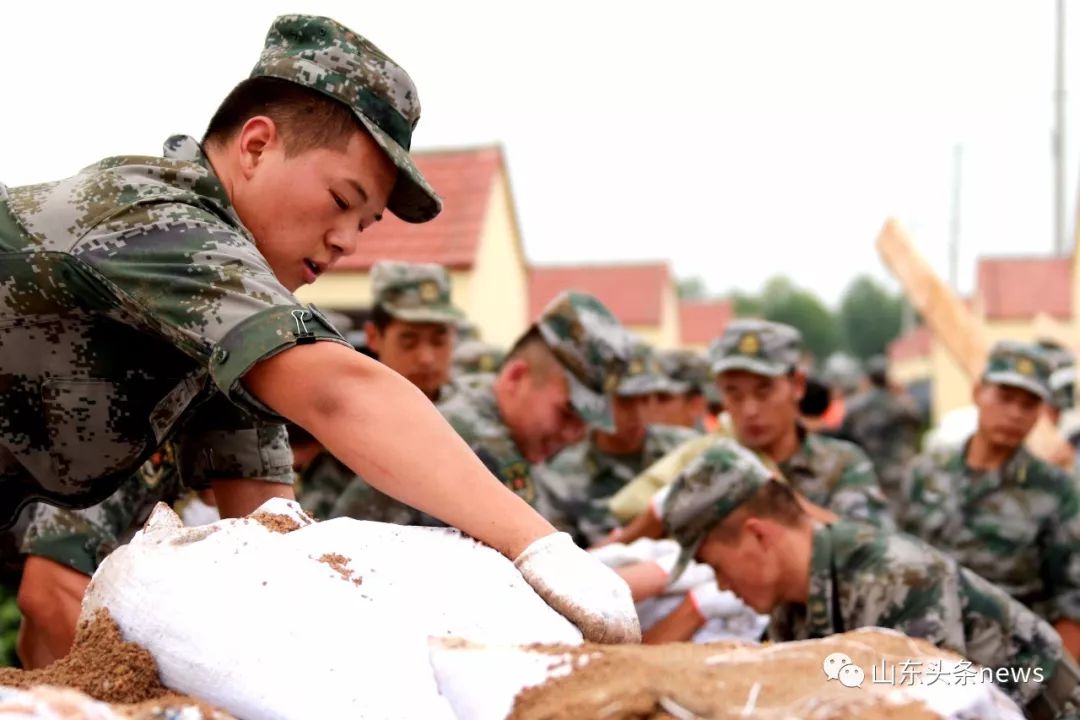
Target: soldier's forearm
[(388, 432), (50, 599), (237, 497), (679, 626)]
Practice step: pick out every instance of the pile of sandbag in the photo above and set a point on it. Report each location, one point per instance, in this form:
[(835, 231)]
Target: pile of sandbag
[(830, 679), (274, 616)]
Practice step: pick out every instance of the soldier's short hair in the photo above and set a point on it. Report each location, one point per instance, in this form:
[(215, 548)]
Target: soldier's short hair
[(532, 348), (306, 119), (774, 500), (380, 318)]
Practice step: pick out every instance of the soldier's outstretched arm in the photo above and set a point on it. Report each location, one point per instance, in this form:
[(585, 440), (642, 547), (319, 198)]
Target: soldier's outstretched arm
[(387, 431)]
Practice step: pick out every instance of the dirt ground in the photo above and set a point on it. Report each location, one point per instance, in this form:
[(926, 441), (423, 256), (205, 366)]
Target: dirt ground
[(724, 681)]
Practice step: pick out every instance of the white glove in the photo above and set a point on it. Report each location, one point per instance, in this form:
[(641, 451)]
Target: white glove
[(582, 588), (712, 602)]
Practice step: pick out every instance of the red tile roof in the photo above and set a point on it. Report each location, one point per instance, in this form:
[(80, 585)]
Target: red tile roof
[(913, 344), (1019, 288), (702, 321), (633, 292), (464, 179)]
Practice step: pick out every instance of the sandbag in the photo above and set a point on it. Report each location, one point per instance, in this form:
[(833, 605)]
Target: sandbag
[(719, 681), (275, 616)]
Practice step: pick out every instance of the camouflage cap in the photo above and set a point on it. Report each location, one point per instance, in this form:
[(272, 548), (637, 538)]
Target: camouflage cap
[(1019, 365), (643, 375), (688, 370), (321, 54), (757, 346), (593, 348), (473, 356), (709, 489), (414, 292)]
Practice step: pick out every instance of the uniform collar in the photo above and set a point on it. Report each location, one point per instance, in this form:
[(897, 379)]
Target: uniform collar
[(185, 148)]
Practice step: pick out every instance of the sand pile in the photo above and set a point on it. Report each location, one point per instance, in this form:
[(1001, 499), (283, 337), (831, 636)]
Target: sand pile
[(107, 668), (721, 681)]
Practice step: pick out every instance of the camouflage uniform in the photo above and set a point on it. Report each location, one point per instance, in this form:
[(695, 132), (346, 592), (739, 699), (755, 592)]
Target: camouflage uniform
[(1017, 526), (837, 475), (81, 539), (134, 300), (887, 428), (862, 576), (592, 348), (582, 479), (409, 292)]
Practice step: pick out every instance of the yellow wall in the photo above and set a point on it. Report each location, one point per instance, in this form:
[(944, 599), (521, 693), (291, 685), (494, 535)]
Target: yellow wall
[(668, 336), (496, 295)]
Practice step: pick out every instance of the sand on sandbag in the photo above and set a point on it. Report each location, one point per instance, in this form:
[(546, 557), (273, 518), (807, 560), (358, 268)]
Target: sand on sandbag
[(723, 681), (106, 667)]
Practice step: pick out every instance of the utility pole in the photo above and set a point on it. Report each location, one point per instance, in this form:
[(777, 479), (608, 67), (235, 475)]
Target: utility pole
[(954, 218), (1059, 133)]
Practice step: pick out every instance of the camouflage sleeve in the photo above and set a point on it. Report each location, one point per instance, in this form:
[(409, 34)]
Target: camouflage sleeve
[(223, 442), (858, 495), (1061, 554), (202, 285), (912, 488), (81, 539)]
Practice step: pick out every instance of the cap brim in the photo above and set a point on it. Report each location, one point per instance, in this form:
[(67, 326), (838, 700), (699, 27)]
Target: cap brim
[(1016, 380), (412, 199), (594, 407), (686, 554), (645, 385), (758, 367), (445, 315)]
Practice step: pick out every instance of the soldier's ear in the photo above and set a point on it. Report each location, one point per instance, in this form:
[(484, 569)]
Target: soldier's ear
[(515, 371), (798, 384), (258, 135)]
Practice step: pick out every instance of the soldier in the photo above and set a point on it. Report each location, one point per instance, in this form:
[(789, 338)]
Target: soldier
[(582, 478), (755, 363), (413, 323), (731, 512), (476, 357), (885, 423), (685, 403), (998, 509), (148, 299), (63, 548), (553, 384), (412, 331)]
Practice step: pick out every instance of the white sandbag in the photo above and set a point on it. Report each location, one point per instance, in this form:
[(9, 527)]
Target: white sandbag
[(329, 620)]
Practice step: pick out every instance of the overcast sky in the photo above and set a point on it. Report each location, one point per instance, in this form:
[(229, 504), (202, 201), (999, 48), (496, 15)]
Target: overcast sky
[(735, 139)]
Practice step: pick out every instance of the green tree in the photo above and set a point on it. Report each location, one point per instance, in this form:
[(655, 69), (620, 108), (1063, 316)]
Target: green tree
[(870, 317), (692, 288), (783, 301)]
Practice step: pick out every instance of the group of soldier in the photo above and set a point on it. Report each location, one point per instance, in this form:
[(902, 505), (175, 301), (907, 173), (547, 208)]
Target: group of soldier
[(151, 349)]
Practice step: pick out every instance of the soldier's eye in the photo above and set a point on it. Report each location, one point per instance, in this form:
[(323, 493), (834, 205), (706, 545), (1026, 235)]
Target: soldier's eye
[(339, 200)]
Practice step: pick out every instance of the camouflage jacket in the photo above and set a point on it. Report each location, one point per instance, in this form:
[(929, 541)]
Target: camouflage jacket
[(81, 539), (837, 475), (581, 479), (133, 298), (320, 484), (863, 577), (474, 414), (887, 428), (1018, 526)]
